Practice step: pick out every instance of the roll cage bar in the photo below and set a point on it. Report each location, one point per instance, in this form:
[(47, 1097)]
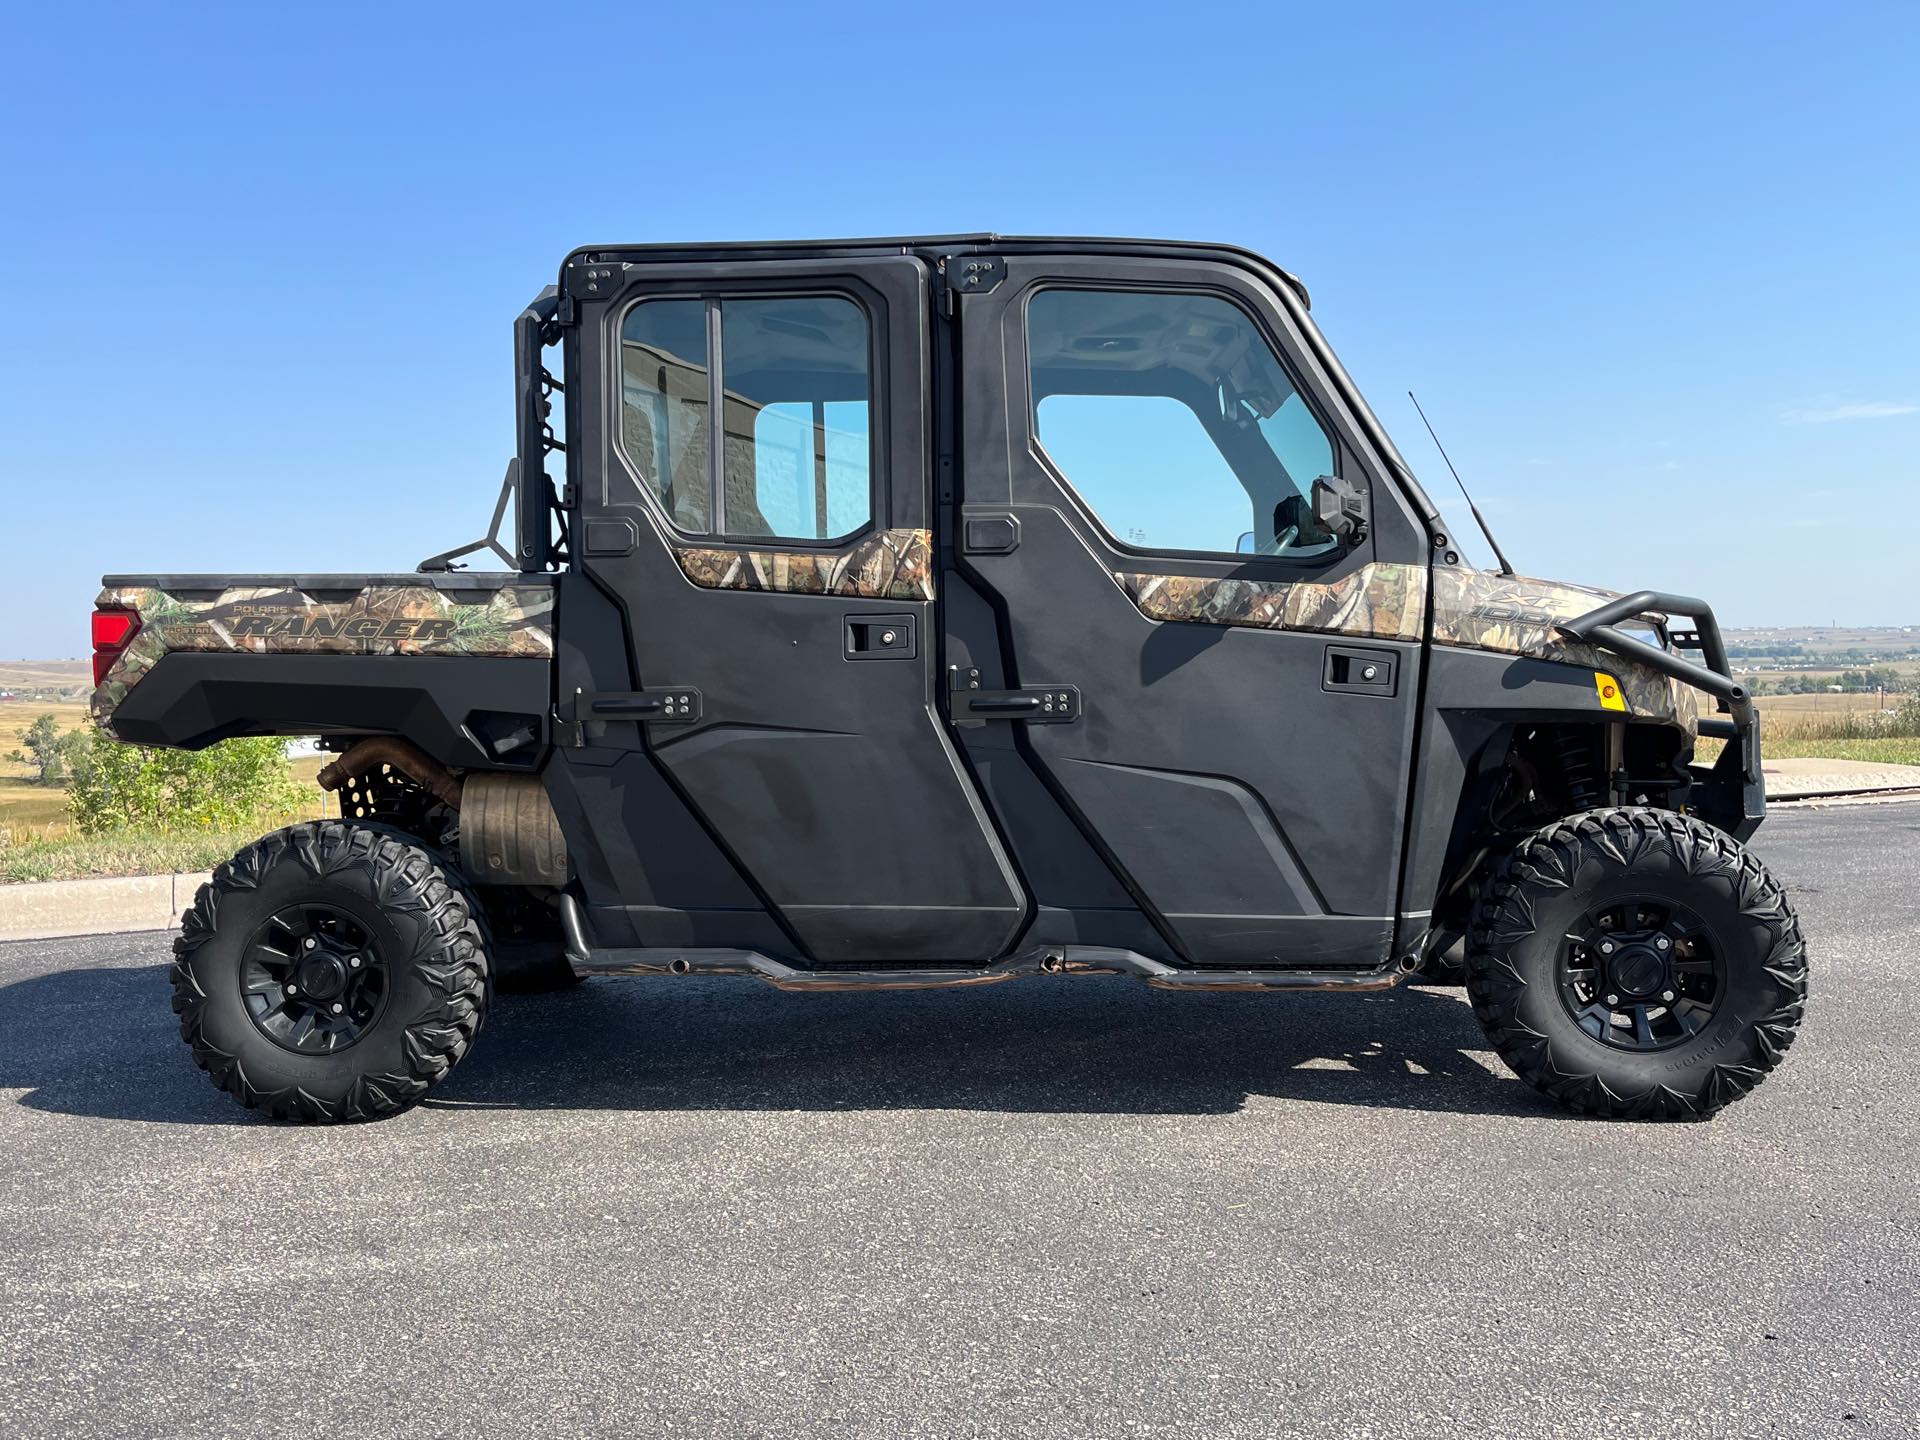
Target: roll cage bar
[(538, 510)]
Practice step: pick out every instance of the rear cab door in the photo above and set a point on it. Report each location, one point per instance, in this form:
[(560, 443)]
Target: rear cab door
[(753, 467), (1139, 434)]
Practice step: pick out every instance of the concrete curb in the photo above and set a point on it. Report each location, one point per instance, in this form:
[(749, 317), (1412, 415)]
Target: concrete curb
[(54, 909)]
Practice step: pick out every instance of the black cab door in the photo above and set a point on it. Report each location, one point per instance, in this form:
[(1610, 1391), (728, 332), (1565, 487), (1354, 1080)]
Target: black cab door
[(1139, 437), (753, 466)]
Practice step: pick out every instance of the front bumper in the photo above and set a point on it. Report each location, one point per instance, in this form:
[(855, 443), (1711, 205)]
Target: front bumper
[(1731, 793)]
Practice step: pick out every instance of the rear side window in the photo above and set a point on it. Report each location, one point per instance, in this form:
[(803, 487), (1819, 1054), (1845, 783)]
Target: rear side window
[(664, 405), (1173, 418), (792, 380)]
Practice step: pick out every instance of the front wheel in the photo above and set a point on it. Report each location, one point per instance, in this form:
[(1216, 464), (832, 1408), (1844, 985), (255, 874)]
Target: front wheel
[(329, 972), (1637, 963)]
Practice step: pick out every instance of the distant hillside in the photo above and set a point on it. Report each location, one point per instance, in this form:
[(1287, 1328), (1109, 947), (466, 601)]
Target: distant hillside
[(46, 679), (1825, 645), (1896, 638)]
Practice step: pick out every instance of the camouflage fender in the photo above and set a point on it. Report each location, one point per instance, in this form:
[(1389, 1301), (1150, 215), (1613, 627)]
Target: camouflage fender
[(278, 620), (1471, 609), (1517, 615)]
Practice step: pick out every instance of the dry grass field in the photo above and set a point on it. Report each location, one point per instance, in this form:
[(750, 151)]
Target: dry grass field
[(1810, 717), (22, 803)]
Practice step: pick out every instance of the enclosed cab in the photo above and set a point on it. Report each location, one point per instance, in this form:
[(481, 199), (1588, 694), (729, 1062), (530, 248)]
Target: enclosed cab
[(939, 611)]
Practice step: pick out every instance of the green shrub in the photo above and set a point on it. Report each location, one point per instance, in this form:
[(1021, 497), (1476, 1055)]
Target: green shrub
[(224, 787)]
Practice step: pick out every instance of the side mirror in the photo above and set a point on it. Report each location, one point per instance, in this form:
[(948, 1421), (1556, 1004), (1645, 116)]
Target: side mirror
[(1244, 545), (1340, 507)]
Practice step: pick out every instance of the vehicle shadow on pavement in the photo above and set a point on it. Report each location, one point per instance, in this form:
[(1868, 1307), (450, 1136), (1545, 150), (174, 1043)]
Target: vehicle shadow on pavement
[(1040, 1046)]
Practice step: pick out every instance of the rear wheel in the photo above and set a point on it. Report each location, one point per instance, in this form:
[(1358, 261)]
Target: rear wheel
[(329, 972), (1638, 963)]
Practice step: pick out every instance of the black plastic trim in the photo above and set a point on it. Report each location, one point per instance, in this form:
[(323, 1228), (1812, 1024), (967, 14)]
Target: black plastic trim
[(191, 699)]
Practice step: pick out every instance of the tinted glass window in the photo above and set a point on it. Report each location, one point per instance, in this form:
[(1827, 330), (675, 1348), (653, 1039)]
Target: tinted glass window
[(798, 402), (1175, 421), (664, 405)]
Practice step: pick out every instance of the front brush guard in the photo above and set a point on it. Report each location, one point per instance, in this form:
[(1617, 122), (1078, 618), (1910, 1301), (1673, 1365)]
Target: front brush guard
[(1735, 794)]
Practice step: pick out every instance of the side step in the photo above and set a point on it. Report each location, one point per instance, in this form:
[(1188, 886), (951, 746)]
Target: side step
[(588, 959)]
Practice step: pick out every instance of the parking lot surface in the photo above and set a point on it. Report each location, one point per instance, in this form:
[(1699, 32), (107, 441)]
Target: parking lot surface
[(1053, 1208)]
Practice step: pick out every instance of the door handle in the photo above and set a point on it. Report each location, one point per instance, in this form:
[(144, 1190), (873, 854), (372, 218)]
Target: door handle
[(1035, 704), (880, 637), (1361, 671), (680, 705), (1003, 701)]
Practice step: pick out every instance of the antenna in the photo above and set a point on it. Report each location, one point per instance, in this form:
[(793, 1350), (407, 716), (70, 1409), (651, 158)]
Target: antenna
[(1506, 568)]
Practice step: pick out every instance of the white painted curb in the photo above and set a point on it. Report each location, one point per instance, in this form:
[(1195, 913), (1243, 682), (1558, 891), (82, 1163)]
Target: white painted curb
[(52, 909)]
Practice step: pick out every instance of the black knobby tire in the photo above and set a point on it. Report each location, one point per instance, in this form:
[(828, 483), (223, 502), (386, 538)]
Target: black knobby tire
[(414, 923), (1528, 964)]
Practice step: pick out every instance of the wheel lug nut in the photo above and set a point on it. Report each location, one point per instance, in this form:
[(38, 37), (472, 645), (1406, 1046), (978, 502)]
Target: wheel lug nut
[(1606, 947), (338, 1007), (293, 989), (311, 942), (1613, 999), (1662, 943), (1666, 995), (354, 962)]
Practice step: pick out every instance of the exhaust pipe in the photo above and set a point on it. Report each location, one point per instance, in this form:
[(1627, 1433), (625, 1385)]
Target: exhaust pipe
[(404, 756)]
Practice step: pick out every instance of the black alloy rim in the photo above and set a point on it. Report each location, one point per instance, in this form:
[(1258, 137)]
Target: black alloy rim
[(311, 979), (1641, 975)]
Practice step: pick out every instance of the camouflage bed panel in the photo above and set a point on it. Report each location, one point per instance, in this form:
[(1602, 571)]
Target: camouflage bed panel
[(379, 620), (888, 565)]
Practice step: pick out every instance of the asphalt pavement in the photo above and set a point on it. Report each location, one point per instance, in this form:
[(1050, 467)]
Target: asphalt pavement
[(1055, 1208)]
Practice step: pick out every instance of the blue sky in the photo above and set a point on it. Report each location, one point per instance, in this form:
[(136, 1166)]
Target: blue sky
[(1650, 267)]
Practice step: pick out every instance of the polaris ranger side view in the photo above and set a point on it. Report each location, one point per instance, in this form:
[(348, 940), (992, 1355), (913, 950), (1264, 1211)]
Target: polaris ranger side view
[(887, 614)]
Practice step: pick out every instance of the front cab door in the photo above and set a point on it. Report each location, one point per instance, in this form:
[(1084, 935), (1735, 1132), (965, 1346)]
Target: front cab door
[(1140, 441)]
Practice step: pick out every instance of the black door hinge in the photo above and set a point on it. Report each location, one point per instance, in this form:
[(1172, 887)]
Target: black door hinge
[(588, 281), (969, 275)]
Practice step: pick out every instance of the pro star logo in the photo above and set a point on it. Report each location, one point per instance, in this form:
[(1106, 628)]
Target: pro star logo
[(336, 627)]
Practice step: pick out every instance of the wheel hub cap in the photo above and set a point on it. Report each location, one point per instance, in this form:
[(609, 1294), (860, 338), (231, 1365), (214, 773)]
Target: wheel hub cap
[(322, 976), (1638, 970), (312, 980), (1640, 974)]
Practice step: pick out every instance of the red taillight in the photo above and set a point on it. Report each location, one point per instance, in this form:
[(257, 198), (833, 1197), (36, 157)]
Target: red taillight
[(113, 630)]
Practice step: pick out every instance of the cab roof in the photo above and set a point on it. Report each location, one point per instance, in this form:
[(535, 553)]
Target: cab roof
[(932, 246)]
